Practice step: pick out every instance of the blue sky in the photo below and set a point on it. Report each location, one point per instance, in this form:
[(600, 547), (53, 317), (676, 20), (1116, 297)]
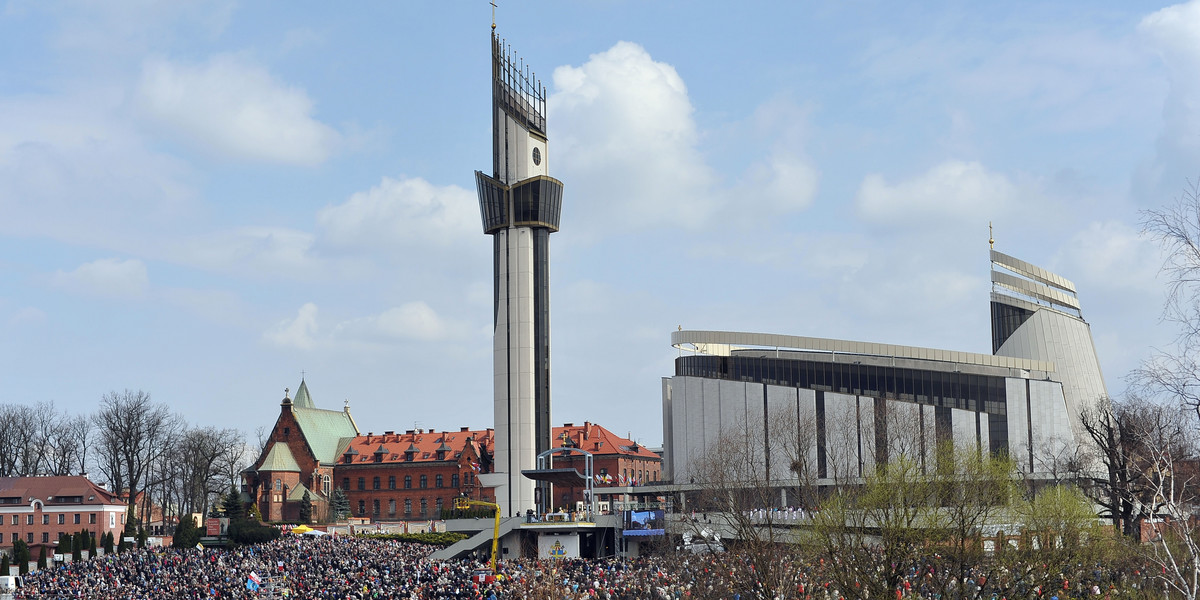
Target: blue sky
[(203, 199)]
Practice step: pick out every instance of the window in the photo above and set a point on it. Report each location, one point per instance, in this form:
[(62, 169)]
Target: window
[(424, 506), (62, 518), (407, 507), (375, 506), (439, 506), (45, 519), (362, 507), (92, 519), (29, 537), (437, 480), (362, 483), (408, 482), (278, 484), (45, 537), (391, 482), (325, 483), (29, 520), (454, 480), (76, 518), (346, 483), (375, 483), (424, 484), (392, 506)]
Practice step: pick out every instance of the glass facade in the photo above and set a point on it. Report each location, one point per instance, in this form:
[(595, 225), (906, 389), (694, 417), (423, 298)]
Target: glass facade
[(536, 202), (1005, 320), (943, 390)]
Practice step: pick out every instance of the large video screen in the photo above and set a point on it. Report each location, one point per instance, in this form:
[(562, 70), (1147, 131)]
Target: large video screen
[(644, 523)]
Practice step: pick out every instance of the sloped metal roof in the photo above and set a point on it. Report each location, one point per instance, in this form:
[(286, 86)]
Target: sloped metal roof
[(296, 494), (303, 399), (280, 459), (324, 430)]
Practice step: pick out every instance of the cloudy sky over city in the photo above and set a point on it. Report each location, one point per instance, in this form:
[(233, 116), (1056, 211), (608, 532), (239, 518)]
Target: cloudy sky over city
[(203, 200)]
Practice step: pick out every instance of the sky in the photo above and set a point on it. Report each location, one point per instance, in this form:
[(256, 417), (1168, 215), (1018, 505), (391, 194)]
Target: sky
[(208, 201)]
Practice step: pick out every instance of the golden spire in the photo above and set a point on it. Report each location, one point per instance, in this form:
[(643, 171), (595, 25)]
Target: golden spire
[(991, 240)]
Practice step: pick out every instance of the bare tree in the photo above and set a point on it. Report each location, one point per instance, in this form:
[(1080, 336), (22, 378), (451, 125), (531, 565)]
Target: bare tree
[(134, 433), (741, 498)]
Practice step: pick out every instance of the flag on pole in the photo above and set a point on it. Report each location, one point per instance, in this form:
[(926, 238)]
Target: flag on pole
[(199, 546), (255, 578)]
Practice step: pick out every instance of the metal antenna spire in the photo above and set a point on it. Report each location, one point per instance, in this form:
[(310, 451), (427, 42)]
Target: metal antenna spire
[(493, 15), (991, 240)]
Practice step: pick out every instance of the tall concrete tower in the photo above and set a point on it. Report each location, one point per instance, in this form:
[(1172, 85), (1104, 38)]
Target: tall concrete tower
[(520, 204)]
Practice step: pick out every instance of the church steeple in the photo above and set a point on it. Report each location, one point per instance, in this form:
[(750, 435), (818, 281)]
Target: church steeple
[(303, 399)]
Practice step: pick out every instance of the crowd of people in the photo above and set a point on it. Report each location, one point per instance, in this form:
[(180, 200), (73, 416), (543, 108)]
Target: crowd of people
[(353, 568)]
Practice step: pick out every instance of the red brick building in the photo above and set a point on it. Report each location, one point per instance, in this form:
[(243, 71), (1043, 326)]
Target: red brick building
[(38, 509), (617, 462), (298, 458), (415, 474), (410, 476)]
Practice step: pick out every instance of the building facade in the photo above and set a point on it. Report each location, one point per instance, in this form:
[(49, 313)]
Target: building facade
[(38, 509), (520, 205), (415, 474), (827, 411), (618, 463), (298, 458)]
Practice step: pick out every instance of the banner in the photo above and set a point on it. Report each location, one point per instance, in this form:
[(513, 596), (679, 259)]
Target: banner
[(558, 545)]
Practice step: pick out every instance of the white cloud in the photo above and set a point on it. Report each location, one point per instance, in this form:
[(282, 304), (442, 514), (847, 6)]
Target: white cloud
[(625, 130), (954, 190), (260, 251), (217, 306), (409, 211), (297, 332), (624, 125), (235, 108), (1111, 255), (107, 277), (410, 321), (71, 170), (1173, 31)]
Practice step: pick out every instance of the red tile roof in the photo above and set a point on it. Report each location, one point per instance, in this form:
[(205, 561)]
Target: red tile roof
[(63, 490), (598, 440)]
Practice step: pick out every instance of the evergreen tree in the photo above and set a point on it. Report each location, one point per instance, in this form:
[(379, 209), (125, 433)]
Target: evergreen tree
[(77, 542), (42, 559), (4, 565), (340, 505), (254, 514), (141, 537), (187, 535), (64, 543), (108, 543), (130, 531), (232, 505), (20, 554), (306, 508), (91, 545)]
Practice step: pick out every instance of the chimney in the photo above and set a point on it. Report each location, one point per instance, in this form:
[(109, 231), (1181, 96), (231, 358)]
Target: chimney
[(587, 430), (464, 429)]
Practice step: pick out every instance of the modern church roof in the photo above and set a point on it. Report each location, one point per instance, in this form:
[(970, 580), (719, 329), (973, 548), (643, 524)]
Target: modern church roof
[(723, 343)]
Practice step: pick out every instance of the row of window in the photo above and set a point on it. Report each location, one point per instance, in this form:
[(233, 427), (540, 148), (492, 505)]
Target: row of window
[(964, 391), (408, 507), (438, 482), (62, 519)]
